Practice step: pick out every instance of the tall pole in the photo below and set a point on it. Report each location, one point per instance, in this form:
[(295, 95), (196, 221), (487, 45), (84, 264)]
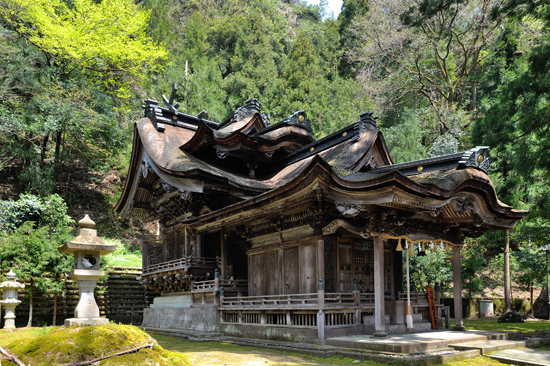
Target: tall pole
[(379, 311), (507, 289), (185, 88), (408, 317), (457, 288), (547, 281)]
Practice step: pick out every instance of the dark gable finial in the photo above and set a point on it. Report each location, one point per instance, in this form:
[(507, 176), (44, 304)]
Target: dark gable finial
[(154, 113), (299, 119), (170, 103), (366, 122), (478, 157), (251, 106), (368, 117)]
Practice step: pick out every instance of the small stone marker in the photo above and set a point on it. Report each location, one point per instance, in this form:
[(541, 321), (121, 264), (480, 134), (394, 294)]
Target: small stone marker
[(10, 298), (87, 249)]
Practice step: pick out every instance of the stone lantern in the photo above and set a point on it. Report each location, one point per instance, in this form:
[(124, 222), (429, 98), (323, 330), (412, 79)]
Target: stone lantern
[(87, 249), (10, 298)]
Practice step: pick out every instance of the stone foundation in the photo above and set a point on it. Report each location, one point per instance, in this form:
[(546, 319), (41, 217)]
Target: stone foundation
[(84, 322), (195, 318)]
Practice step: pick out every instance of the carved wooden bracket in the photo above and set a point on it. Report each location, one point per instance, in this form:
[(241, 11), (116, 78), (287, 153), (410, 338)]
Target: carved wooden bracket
[(339, 223)]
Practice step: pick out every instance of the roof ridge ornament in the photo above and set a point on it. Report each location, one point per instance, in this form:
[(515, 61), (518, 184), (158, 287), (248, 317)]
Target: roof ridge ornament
[(366, 122), (154, 113), (478, 157), (298, 118), (250, 106), (173, 107)]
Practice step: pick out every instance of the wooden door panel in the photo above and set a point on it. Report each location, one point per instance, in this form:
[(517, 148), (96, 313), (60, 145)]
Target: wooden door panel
[(291, 270)]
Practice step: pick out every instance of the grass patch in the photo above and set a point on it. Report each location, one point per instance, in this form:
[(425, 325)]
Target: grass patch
[(21, 334), (478, 361), (220, 353), (539, 326), (122, 256)]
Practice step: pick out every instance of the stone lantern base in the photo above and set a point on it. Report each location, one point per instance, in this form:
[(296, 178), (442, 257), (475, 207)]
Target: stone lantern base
[(87, 311), (9, 309), (83, 322)]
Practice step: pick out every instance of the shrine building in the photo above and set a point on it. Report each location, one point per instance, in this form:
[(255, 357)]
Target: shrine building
[(266, 232)]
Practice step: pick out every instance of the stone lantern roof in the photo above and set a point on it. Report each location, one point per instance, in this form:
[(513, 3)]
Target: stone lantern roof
[(11, 282), (87, 239)]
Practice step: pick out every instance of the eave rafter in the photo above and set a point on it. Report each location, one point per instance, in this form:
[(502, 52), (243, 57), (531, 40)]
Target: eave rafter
[(389, 194)]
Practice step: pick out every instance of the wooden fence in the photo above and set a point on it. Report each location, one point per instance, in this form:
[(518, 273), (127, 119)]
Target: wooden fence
[(119, 296)]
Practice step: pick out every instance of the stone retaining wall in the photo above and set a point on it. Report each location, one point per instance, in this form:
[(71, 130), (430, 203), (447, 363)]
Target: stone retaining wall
[(119, 296)]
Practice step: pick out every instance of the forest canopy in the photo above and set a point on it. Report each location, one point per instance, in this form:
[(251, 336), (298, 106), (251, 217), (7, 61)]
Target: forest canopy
[(443, 76)]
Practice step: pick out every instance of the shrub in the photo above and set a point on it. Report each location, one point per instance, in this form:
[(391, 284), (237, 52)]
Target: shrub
[(511, 317), (48, 211)]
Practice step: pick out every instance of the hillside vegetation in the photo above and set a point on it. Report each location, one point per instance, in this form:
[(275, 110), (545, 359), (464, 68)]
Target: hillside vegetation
[(443, 76)]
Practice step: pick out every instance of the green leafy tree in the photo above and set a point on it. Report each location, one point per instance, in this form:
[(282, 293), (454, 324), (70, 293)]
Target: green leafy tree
[(513, 114), (532, 267), (404, 139), (433, 267), (32, 254), (425, 55), (107, 39), (473, 260), (31, 229)]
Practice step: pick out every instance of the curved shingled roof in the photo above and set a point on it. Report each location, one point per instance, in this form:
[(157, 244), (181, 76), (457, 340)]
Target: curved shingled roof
[(255, 162)]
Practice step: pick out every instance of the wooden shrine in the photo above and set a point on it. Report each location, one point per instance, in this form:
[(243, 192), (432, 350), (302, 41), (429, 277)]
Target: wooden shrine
[(269, 233)]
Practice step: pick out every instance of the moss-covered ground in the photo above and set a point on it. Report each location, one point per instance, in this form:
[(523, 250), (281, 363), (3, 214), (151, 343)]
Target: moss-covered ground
[(218, 353), (62, 345), (198, 353)]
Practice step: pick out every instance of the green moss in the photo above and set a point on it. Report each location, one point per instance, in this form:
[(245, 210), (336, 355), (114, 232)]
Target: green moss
[(67, 345)]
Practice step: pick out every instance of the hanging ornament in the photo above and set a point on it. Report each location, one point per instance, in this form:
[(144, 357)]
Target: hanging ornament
[(423, 247), (448, 248), (399, 247), (411, 250), (435, 247)]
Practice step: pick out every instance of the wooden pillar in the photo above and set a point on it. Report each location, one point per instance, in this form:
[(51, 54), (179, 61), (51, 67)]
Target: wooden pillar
[(457, 289), (321, 258), (281, 271), (144, 256), (186, 250), (223, 253), (199, 246), (321, 326), (163, 248), (379, 310)]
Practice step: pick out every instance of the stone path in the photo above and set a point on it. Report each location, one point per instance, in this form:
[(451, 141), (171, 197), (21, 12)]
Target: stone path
[(413, 342), (522, 357)]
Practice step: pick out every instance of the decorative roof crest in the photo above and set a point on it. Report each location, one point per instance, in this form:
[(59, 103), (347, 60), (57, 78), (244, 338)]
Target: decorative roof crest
[(250, 106), (366, 122), (478, 157), (299, 119), (170, 102)]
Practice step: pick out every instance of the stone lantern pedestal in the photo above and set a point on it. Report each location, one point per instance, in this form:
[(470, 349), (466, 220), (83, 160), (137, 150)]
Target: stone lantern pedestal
[(10, 298), (87, 249)]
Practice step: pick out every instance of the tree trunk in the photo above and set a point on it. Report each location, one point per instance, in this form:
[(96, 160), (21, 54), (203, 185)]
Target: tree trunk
[(29, 323), (54, 309), (57, 146), (532, 312), (44, 148), (474, 96), (507, 290)]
